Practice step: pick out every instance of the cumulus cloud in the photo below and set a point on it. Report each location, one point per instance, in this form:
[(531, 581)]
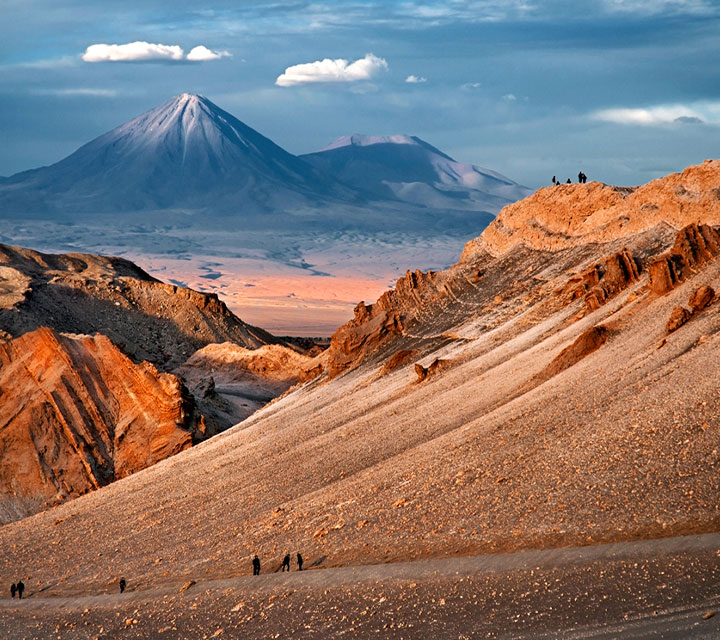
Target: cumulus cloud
[(202, 53), (132, 52), (415, 79), (650, 116), (327, 70), (148, 52)]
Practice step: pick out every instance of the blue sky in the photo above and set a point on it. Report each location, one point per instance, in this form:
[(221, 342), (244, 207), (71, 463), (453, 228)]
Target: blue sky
[(626, 90)]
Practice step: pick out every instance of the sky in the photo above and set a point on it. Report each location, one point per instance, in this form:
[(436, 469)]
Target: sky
[(625, 90)]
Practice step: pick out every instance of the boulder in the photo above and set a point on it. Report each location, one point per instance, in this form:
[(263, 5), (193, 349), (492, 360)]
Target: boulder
[(701, 298), (678, 317)]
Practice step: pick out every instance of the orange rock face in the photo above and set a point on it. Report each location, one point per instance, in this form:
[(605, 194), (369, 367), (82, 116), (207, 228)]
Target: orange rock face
[(695, 245), (78, 414)]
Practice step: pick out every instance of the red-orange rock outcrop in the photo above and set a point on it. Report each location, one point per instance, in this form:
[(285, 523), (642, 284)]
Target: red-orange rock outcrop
[(695, 246), (678, 317), (77, 414), (605, 279)]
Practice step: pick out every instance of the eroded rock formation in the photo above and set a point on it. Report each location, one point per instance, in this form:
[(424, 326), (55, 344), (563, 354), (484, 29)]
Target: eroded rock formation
[(695, 246), (605, 279), (77, 414)]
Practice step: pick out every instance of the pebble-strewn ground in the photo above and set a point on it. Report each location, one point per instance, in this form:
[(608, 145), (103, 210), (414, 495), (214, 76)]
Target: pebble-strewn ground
[(660, 589)]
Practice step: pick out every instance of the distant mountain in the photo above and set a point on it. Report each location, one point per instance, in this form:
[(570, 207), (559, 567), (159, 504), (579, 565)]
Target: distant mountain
[(408, 169), (185, 154)]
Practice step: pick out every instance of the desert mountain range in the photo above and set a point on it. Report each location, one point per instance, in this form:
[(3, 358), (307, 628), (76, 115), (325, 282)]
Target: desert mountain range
[(557, 386), (190, 156)]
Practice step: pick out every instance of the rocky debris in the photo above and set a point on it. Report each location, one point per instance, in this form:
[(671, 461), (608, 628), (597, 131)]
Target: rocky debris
[(701, 298), (678, 317), (78, 414), (603, 280), (695, 246), (398, 359), (82, 293), (435, 367)]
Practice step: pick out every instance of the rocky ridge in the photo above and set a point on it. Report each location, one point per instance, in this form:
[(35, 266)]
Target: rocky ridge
[(84, 293)]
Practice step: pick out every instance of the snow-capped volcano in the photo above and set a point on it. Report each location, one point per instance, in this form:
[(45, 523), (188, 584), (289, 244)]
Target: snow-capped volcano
[(185, 154), (409, 169)]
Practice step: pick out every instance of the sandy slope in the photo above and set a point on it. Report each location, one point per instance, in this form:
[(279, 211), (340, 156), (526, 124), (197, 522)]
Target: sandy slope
[(510, 444)]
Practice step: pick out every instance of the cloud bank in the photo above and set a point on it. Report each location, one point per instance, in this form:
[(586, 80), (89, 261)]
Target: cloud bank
[(140, 51), (650, 116), (415, 79), (328, 70)]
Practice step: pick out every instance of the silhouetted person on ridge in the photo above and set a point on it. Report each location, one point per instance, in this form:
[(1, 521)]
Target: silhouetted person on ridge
[(554, 180), (568, 181), (299, 561), (256, 566), (13, 589), (20, 588), (286, 562), (123, 584)]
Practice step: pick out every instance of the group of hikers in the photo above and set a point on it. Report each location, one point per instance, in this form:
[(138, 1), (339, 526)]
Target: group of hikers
[(582, 179), (285, 566), (17, 589)]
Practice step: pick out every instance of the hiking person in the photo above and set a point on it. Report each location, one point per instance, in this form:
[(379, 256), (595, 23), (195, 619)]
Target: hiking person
[(286, 563), (580, 177), (554, 180), (256, 566), (13, 589), (568, 181), (299, 561), (20, 588), (123, 584)]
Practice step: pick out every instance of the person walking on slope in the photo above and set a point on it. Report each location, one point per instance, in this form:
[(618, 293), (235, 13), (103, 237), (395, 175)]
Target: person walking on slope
[(123, 584), (20, 588), (286, 562), (13, 589), (256, 566), (299, 561)]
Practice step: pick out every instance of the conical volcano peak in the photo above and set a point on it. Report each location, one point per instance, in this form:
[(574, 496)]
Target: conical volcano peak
[(186, 153)]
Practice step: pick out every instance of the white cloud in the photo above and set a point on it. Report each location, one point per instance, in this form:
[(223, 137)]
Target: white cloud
[(650, 116), (654, 7), (510, 97), (94, 93), (328, 70), (471, 86), (415, 79), (132, 52), (202, 53)]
